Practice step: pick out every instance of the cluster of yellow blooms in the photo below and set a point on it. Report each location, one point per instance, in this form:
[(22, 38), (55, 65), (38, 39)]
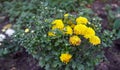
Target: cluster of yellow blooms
[(74, 30), (65, 57)]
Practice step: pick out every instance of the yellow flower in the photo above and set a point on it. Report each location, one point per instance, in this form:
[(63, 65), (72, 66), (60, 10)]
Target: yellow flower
[(58, 24), (66, 15), (65, 58), (75, 40), (80, 29), (68, 30), (51, 34), (27, 30), (81, 20), (89, 32), (95, 40)]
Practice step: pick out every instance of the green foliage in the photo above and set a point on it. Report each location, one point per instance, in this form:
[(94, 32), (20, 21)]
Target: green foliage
[(116, 26), (4, 0), (48, 49), (69, 6), (7, 47), (0, 7), (37, 15), (108, 37), (17, 10), (113, 20)]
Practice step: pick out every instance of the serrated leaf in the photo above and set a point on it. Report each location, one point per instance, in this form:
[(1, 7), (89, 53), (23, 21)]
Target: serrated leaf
[(116, 24)]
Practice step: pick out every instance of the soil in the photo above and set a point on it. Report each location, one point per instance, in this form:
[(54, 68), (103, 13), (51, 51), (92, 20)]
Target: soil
[(24, 61), (112, 55), (19, 61)]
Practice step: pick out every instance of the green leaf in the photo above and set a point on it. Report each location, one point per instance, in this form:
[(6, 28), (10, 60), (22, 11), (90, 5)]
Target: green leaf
[(67, 68), (74, 65), (5, 51), (55, 64), (47, 67), (80, 67), (118, 34), (111, 14), (1, 51), (42, 63), (116, 24)]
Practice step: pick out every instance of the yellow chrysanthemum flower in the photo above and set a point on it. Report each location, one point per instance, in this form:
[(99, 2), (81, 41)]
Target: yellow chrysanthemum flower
[(65, 58), (89, 32), (95, 40), (81, 20), (27, 30), (80, 29), (58, 24), (51, 34), (68, 30), (75, 40)]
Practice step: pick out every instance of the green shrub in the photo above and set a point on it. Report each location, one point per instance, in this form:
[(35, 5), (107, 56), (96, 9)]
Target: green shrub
[(8, 46), (69, 6), (48, 49), (33, 23), (114, 20)]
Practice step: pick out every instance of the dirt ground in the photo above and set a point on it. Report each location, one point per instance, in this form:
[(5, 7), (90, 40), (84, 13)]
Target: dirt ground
[(19, 61), (24, 61)]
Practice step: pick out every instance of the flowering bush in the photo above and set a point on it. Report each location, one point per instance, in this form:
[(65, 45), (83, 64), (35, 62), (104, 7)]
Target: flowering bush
[(76, 33), (66, 43)]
